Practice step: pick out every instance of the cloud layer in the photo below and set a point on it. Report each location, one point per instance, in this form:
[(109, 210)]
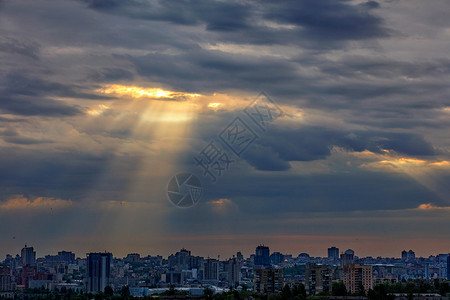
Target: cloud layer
[(102, 101)]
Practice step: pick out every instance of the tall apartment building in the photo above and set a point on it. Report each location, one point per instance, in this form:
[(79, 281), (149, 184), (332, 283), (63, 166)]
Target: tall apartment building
[(98, 271), (234, 271), (180, 260), (318, 279), (333, 253), (448, 266), (211, 270), (262, 256), (28, 256), (5, 279), (356, 276), (408, 255), (347, 257), (67, 256), (268, 281), (276, 258)]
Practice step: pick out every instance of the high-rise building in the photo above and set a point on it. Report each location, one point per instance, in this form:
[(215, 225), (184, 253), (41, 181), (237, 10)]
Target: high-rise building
[(356, 276), (448, 266), (133, 257), (404, 255), (5, 279), (181, 260), (318, 279), (67, 256), (276, 258), (240, 257), (28, 273), (98, 271), (347, 257), (28, 256), (233, 270), (211, 270), (268, 281), (262, 256), (333, 253), (411, 255)]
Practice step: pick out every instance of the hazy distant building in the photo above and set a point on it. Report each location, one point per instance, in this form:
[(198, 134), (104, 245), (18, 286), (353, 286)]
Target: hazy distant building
[(262, 256), (27, 274), (133, 258), (356, 276), (276, 258), (5, 279), (28, 256), (98, 271), (180, 260), (347, 257), (240, 257), (233, 270), (318, 279), (67, 256), (211, 270), (448, 266), (333, 253), (404, 255), (408, 255), (268, 281)]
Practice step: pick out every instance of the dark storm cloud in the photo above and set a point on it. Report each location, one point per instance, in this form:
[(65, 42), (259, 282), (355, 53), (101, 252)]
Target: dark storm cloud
[(14, 137), (28, 95), (274, 150), (334, 60), (191, 70), (110, 75), (355, 66), (330, 19), (217, 15), (36, 106), (244, 22), (14, 83), (66, 174), (14, 46), (277, 147)]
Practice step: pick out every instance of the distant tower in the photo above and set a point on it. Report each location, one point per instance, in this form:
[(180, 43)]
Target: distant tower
[(98, 271), (404, 255), (448, 266), (211, 270), (333, 253), (347, 257), (262, 256), (28, 256)]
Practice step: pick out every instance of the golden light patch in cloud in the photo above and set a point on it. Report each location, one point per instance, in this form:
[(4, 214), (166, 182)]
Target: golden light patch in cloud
[(21, 202), (223, 205), (430, 206), (142, 92), (391, 161), (97, 110), (214, 105), (221, 201)]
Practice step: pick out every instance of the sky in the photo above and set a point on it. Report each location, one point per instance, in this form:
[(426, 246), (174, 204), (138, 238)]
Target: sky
[(102, 102)]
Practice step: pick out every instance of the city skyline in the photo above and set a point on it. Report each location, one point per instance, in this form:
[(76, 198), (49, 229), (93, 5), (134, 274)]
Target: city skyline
[(246, 254)]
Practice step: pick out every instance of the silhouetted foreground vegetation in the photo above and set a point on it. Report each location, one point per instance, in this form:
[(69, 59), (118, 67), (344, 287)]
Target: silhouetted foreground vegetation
[(297, 292)]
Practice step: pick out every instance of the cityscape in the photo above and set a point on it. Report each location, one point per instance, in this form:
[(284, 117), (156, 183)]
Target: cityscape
[(225, 149), (264, 273)]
